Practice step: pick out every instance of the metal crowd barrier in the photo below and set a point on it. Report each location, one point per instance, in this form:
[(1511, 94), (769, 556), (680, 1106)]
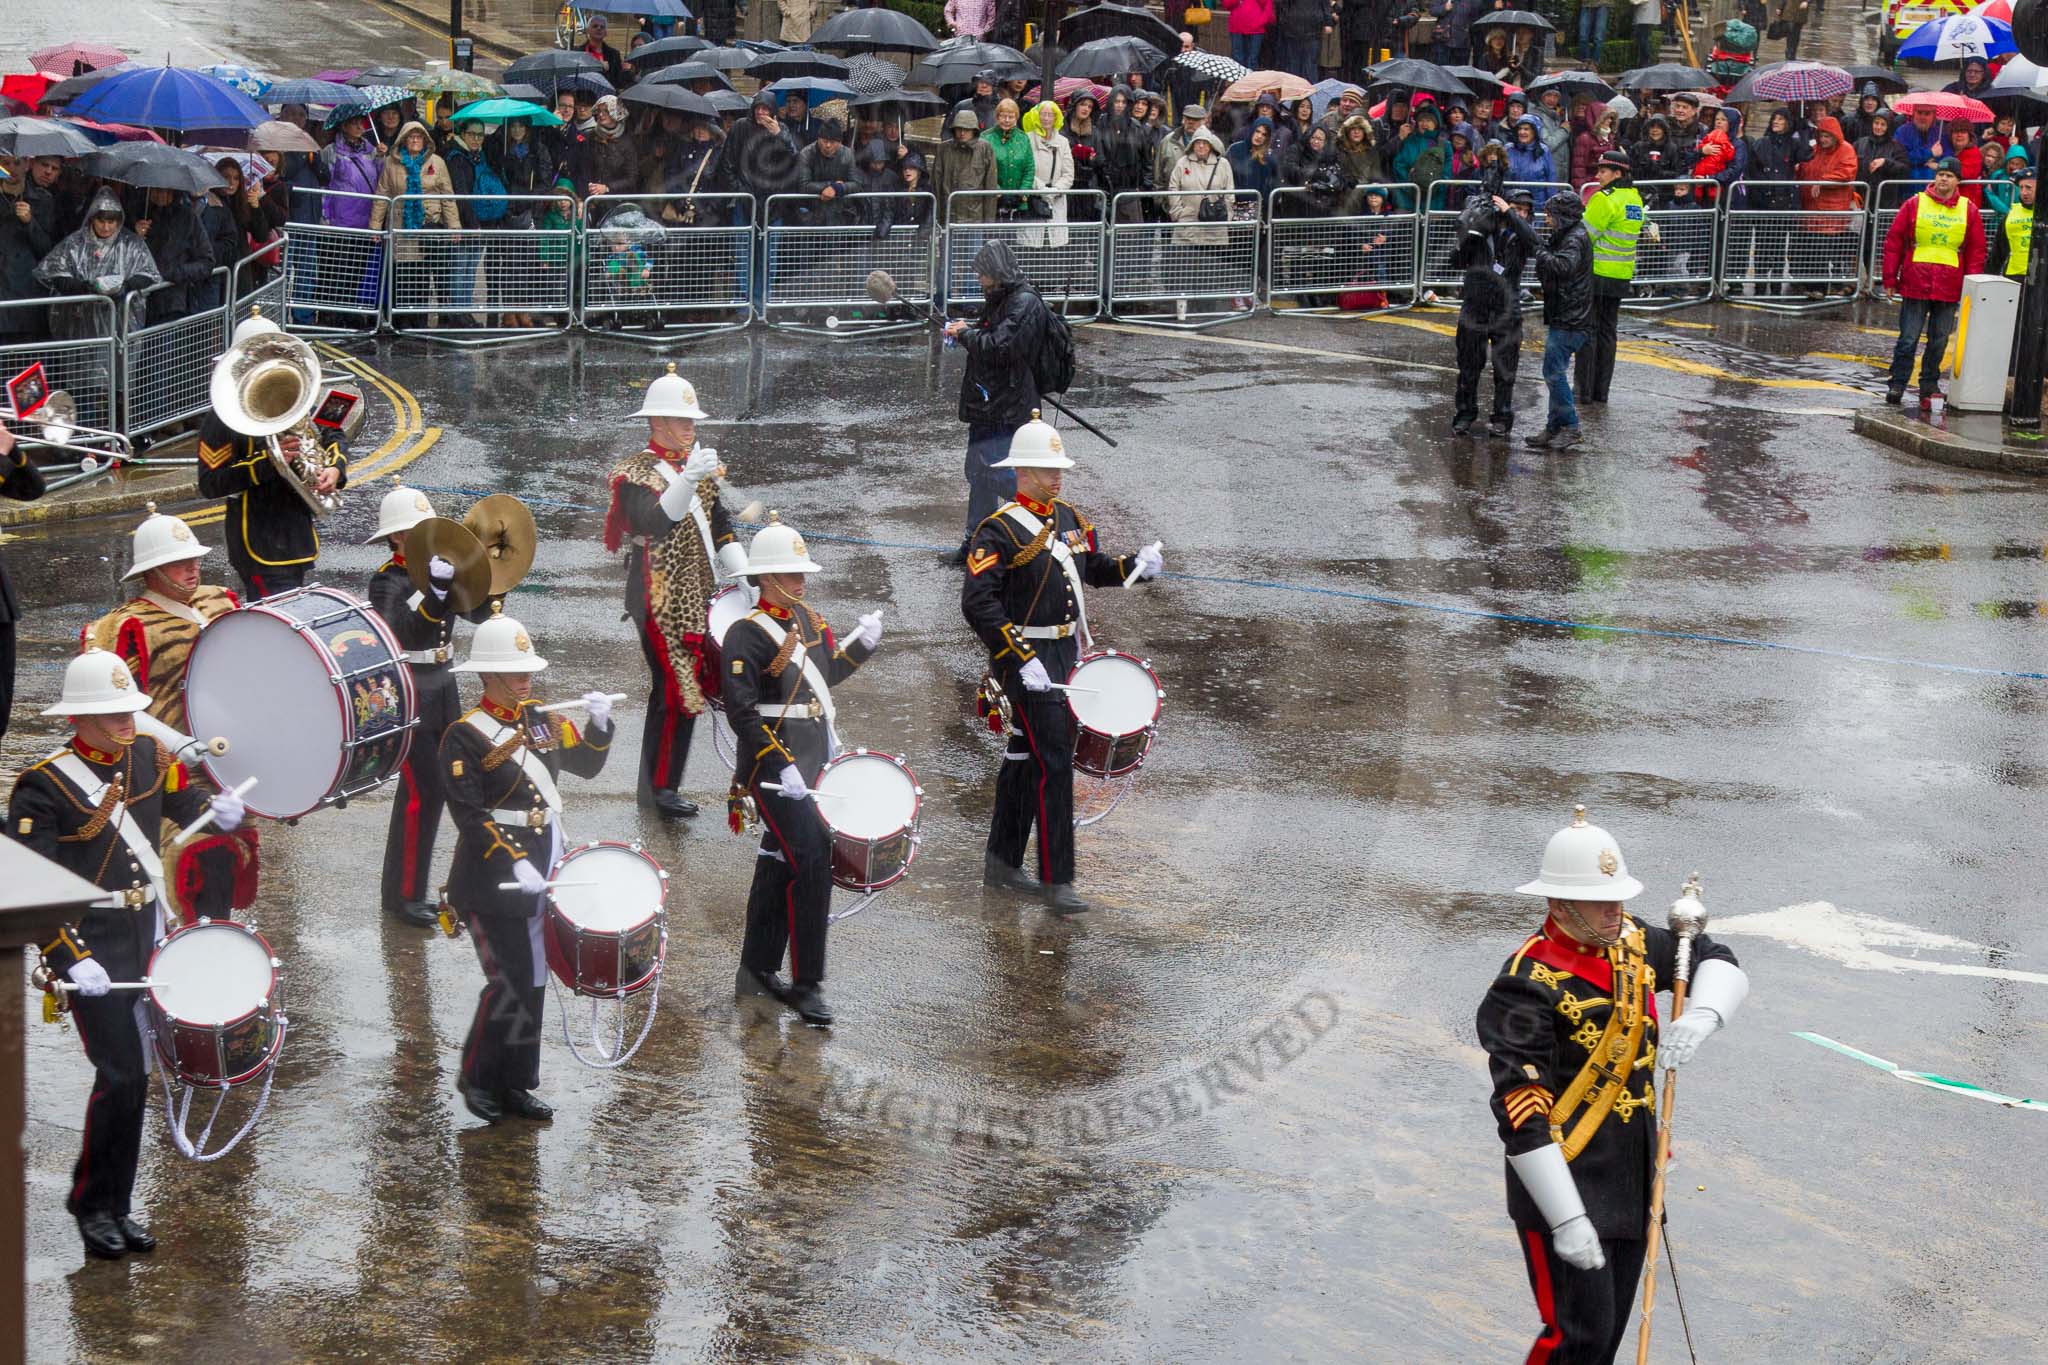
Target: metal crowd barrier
[(335, 271), (166, 366), (1891, 196), (1316, 260), (1062, 256), (1677, 261), (666, 266), (1184, 272), (1440, 228), (449, 283), (84, 363), (817, 255), (1791, 258)]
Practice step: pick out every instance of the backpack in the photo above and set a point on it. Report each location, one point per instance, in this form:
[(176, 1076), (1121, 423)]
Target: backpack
[(1052, 367), (490, 209)]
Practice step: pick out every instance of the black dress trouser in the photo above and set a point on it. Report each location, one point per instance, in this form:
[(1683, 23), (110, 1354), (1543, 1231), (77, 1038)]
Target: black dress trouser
[(1595, 371), (789, 905), (1585, 1312), (103, 1179)]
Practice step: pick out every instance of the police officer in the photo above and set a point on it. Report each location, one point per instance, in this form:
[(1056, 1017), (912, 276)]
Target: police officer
[(1571, 1033), (153, 633), (93, 807), (1489, 311), (1614, 220), (1027, 565), (781, 664), (665, 503), (498, 769), (270, 535)]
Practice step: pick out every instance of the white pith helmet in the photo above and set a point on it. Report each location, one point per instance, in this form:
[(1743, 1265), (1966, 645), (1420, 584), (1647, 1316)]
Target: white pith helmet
[(162, 540), (501, 645), (97, 683), (671, 396), (776, 548), (1036, 445), (402, 509), (1583, 863)]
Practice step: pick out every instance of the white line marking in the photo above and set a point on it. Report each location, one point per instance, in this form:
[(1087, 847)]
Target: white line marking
[(1856, 941)]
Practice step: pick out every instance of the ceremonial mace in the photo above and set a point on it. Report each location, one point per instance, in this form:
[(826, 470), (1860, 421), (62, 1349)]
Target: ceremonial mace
[(1688, 917)]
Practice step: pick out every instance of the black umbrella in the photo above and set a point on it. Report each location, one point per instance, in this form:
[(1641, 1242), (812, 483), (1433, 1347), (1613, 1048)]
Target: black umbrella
[(956, 63), (727, 58), (655, 55), (873, 30), (1512, 18), (64, 91), (781, 65), (1412, 73), (1571, 84), (908, 101), (682, 73), (1117, 21), (872, 75), (532, 94), (726, 102), (156, 166), (383, 75), (26, 137), (1888, 82), (1664, 78), (1482, 83), (595, 82), (553, 62), (1109, 58), (671, 97)]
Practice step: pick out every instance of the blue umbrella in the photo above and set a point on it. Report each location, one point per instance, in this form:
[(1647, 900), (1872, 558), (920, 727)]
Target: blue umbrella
[(168, 97), (309, 90), (240, 77), (816, 89), (656, 9), (1959, 36)]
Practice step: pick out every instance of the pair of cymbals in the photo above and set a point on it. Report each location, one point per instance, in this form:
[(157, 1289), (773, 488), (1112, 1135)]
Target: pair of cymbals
[(492, 549)]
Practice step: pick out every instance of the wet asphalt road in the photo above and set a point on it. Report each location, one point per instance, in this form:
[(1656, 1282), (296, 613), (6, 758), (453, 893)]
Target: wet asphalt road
[(1238, 1111)]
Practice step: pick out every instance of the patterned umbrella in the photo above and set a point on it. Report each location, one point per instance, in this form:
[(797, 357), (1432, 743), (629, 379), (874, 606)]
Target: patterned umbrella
[(240, 77), (169, 97), (1944, 105), (448, 81), (873, 30), (1796, 81), (1064, 88), (870, 75), (1211, 66), (310, 90), (71, 59), (1960, 36), (1111, 58), (367, 102)]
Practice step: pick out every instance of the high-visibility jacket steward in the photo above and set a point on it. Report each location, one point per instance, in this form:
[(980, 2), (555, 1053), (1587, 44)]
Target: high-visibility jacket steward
[(1614, 219), (1930, 263)]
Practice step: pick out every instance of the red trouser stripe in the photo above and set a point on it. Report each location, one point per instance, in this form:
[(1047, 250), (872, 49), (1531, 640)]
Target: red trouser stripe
[(408, 880), (1546, 1301), (665, 675)]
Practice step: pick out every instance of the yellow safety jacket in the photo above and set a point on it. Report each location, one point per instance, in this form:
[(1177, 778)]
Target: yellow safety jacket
[(1939, 230), (2019, 239), (1614, 219)]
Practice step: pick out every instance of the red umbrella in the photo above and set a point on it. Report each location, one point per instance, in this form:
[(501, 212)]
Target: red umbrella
[(28, 88), (68, 59), (1944, 105), (122, 132)]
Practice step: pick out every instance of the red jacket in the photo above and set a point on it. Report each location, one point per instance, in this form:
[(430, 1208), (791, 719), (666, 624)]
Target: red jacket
[(1249, 17), (1923, 279)]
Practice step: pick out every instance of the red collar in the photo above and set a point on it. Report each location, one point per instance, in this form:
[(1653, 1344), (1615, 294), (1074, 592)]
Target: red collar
[(1036, 508), (490, 708), (779, 613), (397, 560), (92, 755), (672, 456)]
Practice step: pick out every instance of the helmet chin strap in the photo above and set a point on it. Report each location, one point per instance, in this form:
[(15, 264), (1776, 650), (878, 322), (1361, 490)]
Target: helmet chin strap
[(1587, 931)]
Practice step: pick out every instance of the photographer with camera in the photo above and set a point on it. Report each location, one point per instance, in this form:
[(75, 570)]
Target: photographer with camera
[(1491, 252)]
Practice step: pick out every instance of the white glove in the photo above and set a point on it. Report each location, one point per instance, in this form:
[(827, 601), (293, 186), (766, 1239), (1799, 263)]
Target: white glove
[(1578, 1244), (793, 783), (675, 503), (732, 560), (701, 465), (529, 878), (1684, 1035), (1034, 677), (90, 977), (870, 632), (441, 574), (599, 705), (1150, 562), (228, 812), (1547, 1177), (1718, 990)]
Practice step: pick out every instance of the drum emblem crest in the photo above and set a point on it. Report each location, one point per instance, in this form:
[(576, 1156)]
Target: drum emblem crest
[(376, 703)]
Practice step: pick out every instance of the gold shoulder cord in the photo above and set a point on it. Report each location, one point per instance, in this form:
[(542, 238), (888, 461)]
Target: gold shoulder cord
[(504, 748), (1607, 1071)]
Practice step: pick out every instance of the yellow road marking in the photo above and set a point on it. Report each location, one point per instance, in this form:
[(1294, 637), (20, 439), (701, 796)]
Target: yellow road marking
[(1674, 322)]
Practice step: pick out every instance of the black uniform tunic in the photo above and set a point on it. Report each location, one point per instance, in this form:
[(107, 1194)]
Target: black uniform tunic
[(51, 815), (270, 535), (1012, 582)]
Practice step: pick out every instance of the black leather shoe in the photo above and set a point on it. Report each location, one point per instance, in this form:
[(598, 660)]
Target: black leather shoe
[(1062, 899), (747, 984), (135, 1235), (102, 1236), (482, 1103), (958, 558), (1895, 396), (421, 914), (1000, 875), (673, 807), (524, 1104), (809, 1003)]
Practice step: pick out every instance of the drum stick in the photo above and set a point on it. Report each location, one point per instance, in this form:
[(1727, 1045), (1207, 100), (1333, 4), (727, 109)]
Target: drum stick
[(546, 886), (809, 791), (143, 985), (1155, 547), (1069, 687), (191, 831), (572, 705)]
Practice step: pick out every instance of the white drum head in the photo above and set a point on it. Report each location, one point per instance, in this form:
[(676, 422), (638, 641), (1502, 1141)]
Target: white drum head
[(211, 974), (867, 796), (266, 689), (729, 606), (625, 893), (1125, 698)]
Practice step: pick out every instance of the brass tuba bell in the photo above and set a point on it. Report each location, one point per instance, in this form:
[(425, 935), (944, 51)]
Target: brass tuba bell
[(266, 385)]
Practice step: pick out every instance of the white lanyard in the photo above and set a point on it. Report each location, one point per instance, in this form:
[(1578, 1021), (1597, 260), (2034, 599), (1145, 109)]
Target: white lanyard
[(74, 769), (802, 657), (1031, 526), (529, 762)]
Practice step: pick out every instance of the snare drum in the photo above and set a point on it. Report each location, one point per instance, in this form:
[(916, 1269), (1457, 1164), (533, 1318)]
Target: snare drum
[(1117, 716), (729, 606), (313, 695), (869, 803), (606, 925), (213, 1008)]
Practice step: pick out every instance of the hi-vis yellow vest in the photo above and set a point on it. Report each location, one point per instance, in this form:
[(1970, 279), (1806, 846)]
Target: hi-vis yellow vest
[(1939, 229), (2019, 239)]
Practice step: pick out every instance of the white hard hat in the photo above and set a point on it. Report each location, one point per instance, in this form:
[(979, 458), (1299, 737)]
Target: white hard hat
[(97, 683), (778, 549), (253, 325), (501, 645), (162, 540), (1035, 446), (402, 509), (1583, 863), (671, 396)]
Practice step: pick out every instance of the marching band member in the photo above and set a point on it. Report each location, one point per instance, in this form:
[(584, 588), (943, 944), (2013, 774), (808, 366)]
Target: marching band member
[(425, 628), (93, 807), (153, 634), (781, 663), (498, 770), (1570, 1026), (665, 502), (1026, 567), (271, 540)]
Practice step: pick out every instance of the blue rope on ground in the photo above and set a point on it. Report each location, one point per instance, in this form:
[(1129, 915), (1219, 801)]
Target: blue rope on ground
[(1412, 604)]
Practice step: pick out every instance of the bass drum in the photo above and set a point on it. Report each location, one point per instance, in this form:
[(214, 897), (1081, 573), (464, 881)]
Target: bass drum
[(311, 692)]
